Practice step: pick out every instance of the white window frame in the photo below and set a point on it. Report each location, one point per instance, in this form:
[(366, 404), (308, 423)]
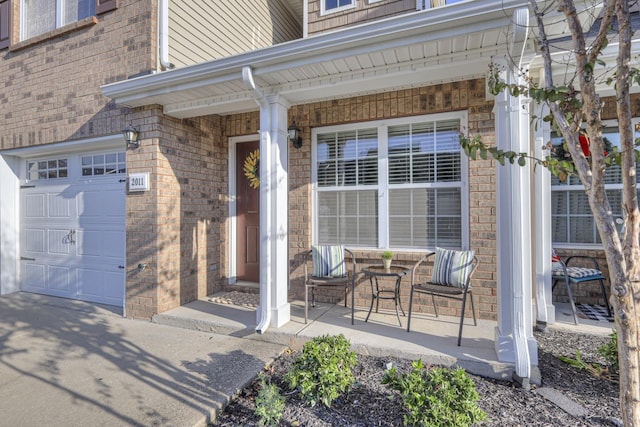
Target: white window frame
[(382, 187), (324, 11), (635, 122)]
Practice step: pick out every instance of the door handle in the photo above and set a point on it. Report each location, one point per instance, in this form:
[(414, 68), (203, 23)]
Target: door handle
[(24, 258)]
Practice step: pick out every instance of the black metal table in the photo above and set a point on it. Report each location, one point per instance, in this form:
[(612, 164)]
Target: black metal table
[(376, 274)]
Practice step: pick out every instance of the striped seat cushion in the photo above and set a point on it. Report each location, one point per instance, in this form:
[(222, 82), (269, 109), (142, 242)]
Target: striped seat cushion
[(328, 261), (452, 268), (575, 272)]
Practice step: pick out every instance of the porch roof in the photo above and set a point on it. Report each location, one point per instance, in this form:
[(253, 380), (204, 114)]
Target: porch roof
[(439, 45)]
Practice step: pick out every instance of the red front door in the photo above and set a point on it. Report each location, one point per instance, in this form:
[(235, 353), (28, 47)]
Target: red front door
[(248, 213)]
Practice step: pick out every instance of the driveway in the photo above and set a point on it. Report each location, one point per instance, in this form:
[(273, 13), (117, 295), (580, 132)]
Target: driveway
[(69, 363)]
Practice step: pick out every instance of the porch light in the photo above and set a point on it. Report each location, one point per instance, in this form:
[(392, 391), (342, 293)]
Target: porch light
[(131, 137), (294, 135)]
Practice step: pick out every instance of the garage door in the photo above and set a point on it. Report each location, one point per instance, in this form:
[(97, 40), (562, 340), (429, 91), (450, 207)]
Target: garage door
[(73, 227)]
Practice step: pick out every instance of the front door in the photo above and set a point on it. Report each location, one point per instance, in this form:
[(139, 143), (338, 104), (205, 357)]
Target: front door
[(248, 211)]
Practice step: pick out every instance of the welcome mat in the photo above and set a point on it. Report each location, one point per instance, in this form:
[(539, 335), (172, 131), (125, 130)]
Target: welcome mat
[(243, 299), (594, 312)]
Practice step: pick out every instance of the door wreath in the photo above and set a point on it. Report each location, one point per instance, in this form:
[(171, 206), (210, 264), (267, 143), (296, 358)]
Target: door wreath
[(252, 169)]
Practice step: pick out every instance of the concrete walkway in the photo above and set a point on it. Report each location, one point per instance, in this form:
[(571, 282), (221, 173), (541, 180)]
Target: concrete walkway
[(68, 363)]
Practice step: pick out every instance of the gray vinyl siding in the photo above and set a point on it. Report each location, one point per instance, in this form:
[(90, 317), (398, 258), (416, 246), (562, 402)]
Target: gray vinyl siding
[(202, 30)]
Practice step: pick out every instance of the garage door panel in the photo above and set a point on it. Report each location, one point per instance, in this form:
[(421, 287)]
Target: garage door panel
[(113, 243), (89, 242), (58, 206), (34, 205), (34, 240), (106, 243), (90, 282), (113, 285), (59, 279), (100, 204), (33, 275), (59, 242)]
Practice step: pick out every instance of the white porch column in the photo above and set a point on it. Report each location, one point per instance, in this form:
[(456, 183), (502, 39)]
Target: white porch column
[(9, 225), (279, 225), (546, 313), (274, 310), (514, 333)]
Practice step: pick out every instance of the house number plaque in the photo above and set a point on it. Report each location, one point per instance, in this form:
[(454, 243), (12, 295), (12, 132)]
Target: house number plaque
[(139, 181)]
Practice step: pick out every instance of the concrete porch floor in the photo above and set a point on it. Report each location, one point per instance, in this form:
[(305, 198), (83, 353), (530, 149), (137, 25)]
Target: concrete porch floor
[(432, 339)]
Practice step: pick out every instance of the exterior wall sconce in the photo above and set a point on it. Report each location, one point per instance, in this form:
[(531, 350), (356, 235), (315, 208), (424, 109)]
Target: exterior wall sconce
[(294, 135), (131, 137)]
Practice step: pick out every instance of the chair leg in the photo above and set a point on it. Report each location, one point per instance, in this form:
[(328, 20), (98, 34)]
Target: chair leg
[(435, 308), (604, 294), (573, 304), (410, 307), (306, 302), (464, 303), (473, 309)]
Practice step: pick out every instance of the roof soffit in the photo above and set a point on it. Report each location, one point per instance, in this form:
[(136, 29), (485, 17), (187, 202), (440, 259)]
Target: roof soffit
[(397, 52)]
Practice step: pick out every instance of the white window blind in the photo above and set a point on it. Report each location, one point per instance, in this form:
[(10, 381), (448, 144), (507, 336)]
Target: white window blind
[(397, 185)]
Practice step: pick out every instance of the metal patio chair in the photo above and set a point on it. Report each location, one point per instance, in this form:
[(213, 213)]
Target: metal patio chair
[(333, 266), (572, 274), (450, 278)]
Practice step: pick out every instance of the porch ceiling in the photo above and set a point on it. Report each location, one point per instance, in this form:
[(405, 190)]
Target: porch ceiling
[(432, 46)]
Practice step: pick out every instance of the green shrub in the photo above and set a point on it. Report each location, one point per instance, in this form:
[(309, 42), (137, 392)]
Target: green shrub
[(323, 370), (269, 403), (436, 397), (609, 351)]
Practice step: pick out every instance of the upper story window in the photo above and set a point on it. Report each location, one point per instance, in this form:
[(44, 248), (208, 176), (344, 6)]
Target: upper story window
[(41, 16), (42, 19), (571, 219), (329, 6), (399, 184)]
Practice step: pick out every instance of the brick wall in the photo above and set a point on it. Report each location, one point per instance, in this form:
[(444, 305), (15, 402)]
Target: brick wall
[(50, 86), (468, 95), (363, 12), (176, 228)]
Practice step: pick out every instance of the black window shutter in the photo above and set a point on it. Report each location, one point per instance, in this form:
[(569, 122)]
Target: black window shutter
[(103, 6), (5, 23)]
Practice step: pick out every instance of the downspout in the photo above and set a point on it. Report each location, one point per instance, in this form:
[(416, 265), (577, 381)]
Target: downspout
[(264, 319), (164, 35)]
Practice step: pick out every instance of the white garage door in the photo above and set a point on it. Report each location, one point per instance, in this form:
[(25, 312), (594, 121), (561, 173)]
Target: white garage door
[(72, 237)]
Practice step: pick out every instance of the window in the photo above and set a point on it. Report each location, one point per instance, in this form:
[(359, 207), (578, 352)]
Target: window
[(401, 184), (329, 6), (104, 164), (41, 16), (47, 169), (571, 219)]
